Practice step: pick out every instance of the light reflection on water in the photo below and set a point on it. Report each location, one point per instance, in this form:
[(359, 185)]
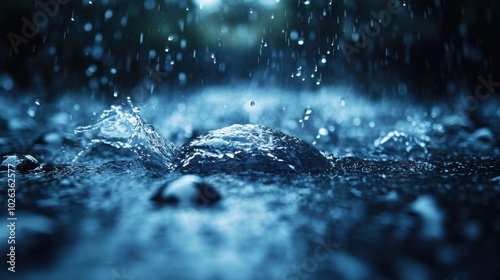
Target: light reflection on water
[(266, 224)]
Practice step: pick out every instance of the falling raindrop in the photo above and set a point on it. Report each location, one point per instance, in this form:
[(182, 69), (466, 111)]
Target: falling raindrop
[(87, 27), (342, 101), (108, 14), (323, 131)]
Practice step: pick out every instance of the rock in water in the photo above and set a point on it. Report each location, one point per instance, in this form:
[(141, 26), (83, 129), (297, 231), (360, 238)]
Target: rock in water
[(233, 149), (19, 162), (188, 190), (241, 148)]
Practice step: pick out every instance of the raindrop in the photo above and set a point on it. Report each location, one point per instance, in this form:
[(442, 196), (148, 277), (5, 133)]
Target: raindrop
[(108, 14), (32, 112), (6, 82), (252, 103), (141, 38), (152, 54), (149, 4), (294, 35), (342, 101), (182, 78), (98, 38), (301, 42), (402, 89), (90, 70), (87, 27)]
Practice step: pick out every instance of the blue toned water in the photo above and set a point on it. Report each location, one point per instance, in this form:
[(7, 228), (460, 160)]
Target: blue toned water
[(409, 192)]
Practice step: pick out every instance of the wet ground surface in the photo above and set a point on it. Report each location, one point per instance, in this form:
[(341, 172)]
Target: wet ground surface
[(414, 193)]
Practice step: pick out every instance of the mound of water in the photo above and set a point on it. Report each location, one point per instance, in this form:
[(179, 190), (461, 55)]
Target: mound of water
[(233, 149)]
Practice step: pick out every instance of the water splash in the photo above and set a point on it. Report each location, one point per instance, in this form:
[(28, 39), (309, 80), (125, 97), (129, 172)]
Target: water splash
[(125, 129), (397, 142)]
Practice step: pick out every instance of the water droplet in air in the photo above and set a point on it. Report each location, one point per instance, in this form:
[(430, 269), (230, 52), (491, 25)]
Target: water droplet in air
[(32, 112), (342, 101), (402, 89), (108, 14), (148, 128), (87, 27)]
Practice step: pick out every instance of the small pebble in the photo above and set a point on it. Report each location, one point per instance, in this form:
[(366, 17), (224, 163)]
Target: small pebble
[(20, 162), (188, 190)]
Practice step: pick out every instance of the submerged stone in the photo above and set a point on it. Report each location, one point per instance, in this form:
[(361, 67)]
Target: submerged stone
[(188, 190), (19, 162), (241, 148)]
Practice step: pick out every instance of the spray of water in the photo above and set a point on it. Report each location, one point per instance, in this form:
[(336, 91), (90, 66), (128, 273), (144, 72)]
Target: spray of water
[(124, 128)]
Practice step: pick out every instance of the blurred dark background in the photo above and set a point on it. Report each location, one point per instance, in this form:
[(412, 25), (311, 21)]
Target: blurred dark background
[(431, 49)]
